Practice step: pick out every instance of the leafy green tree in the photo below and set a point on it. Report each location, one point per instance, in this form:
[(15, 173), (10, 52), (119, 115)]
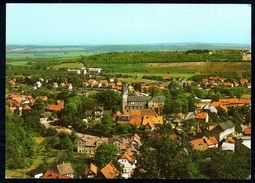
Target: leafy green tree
[(104, 154), (109, 98)]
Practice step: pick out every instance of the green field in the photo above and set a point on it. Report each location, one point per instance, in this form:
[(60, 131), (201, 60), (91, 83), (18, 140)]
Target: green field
[(68, 65), (19, 63), (226, 67)]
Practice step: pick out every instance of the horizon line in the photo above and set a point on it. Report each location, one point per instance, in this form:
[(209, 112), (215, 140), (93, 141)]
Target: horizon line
[(123, 44)]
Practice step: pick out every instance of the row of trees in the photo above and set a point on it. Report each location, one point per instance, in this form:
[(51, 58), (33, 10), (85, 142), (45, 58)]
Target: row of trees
[(163, 158), (165, 56)]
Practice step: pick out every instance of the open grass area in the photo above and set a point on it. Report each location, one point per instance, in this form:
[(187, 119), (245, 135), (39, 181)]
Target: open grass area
[(19, 63), (226, 67), (246, 96), (68, 65)]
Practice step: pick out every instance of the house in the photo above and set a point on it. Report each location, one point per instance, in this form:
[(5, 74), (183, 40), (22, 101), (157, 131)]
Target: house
[(227, 147), (89, 143), (117, 142), (69, 86), (243, 81), (109, 171), (103, 83), (37, 85), (55, 85), (117, 115), (12, 83), (157, 103), (243, 143), (167, 78), (151, 122), (136, 116), (199, 144), (201, 117), (78, 71), (58, 107), (212, 109), (50, 174), (94, 71), (127, 162), (137, 102), (145, 88), (91, 171), (221, 131), (66, 169), (211, 142)]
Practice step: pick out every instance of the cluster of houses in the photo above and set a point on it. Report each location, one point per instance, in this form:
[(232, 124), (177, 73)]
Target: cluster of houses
[(222, 104), (92, 83), (84, 71), (63, 85), (57, 171), (22, 103), (126, 147), (213, 81)]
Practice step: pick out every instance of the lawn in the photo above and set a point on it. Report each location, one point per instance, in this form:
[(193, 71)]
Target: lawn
[(19, 63), (68, 65)]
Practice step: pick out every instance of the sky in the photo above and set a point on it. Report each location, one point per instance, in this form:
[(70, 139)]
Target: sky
[(100, 24)]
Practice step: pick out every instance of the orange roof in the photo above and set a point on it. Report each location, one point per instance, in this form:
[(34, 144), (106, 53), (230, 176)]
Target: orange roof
[(11, 82), (224, 107), (152, 120), (211, 140), (230, 140), (136, 116), (92, 168), (181, 115), (166, 77), (117, 114), (173, 136), (109, 171), (199, 144), (247, 131), (103, 81), (49, 174), (215, 104), (26, 107), (127, 157), (63, 84), (137, 137), (54, 107), (55, 84), (201, 115)]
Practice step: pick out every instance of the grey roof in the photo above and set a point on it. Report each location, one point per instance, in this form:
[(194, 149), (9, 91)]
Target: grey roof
[(139, 98), (226, 125), (65, 169)]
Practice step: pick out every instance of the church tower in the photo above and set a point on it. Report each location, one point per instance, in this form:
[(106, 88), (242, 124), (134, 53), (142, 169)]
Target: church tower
[(124, 94)]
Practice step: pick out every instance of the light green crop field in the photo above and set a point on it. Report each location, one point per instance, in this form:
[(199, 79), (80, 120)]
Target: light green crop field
[(19, 63), (68, 65), (226, 67)]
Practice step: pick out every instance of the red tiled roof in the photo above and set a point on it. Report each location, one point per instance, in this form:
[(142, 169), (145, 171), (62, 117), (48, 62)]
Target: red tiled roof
[(211, 140), (181, 115), (109, 171), (247, 131), (173, 136), (49, 174), (201, 115), (92, 168), (54, 107), (199, 144)]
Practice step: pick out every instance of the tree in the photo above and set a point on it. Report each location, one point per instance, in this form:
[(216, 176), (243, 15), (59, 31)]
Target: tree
[(109, 98), (104, 154)]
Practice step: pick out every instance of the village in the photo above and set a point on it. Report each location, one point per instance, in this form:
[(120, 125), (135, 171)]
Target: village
[(142, 105)]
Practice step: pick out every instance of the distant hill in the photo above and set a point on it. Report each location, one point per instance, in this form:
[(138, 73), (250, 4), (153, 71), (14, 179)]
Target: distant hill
[(16, 49)]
